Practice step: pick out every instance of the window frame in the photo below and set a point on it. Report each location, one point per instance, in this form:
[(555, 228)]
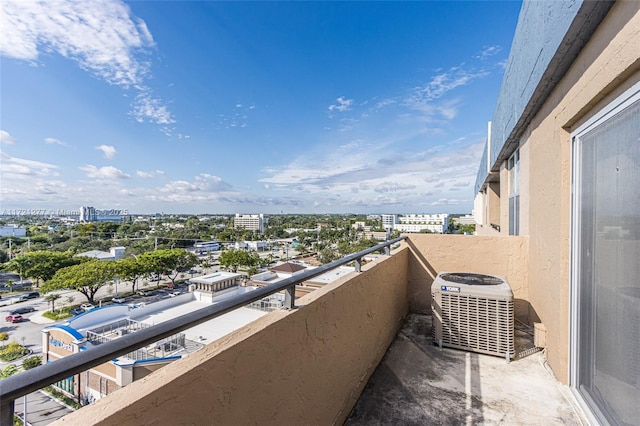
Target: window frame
[(513, 172), (621, 102)]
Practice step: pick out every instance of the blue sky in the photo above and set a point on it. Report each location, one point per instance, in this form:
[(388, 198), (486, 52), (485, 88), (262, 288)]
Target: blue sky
[(248, 107)]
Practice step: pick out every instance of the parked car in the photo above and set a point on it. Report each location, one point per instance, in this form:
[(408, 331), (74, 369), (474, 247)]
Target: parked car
[(118, 300), (174, 293), (27, 296), (23, 310), (87, 306), (144, 292), (77, 311), (14, 318)]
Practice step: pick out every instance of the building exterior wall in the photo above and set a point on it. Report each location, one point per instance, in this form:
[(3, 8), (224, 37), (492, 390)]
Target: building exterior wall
[(608, 65), (251, 222), (432, 254), (605, 64), (304, 366), (551, 35), (389, 220)]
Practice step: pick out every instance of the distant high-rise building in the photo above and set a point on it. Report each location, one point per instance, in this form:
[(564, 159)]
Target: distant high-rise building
[(389, 221), (251, 222), (87, 214), (91, 214)]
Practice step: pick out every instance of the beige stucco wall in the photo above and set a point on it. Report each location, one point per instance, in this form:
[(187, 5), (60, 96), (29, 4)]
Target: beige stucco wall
[(306, 366), (608, 65), (433, 253)]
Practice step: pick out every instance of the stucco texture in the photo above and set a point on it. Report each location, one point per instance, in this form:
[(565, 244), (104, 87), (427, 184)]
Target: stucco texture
[(305, 366), (608, 65), (433, 253)]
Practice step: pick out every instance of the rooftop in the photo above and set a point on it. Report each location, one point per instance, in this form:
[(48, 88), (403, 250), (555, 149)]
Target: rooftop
[(288, 267)]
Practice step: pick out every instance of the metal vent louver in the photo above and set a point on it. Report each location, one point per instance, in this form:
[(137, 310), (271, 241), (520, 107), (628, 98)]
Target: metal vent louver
[(473, 312)]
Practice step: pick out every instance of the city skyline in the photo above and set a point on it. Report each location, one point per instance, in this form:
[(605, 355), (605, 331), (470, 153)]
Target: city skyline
[(209, 107)]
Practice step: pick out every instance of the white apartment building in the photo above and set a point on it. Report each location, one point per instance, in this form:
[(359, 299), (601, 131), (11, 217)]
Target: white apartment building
[(251, 222), (437, 223), (389, 221)]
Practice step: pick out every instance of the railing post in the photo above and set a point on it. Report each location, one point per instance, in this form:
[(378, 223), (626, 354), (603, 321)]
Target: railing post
[(387, 250), (359, 264), (6, 412), (290, 297)]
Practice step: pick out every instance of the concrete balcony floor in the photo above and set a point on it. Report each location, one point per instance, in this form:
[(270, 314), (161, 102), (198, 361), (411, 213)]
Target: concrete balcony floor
[(418, 383)]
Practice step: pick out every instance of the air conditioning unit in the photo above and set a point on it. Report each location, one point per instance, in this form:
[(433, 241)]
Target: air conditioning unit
[(473, 312)]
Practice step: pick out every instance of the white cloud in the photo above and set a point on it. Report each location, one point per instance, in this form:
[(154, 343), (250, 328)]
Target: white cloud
[(15, 169), (54, 141), (106, 172), (12, 165), (445, 202), (489, 51), (392, 187), (442, 84), (108, 150), (6, 138), (385, 102), (373, 176), (102, 36), (149, 175), (148, 108), (342, 105)]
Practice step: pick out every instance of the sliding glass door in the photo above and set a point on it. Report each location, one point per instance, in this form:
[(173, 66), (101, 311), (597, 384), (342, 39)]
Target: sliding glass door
[(606, 262)]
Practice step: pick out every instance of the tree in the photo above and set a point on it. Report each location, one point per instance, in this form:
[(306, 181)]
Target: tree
[(4, 336), (130, 269), (327, 255), (4, 256), (19, 264), (232, 259), (168, 262), (87, 278), (42, 265), (52, 298)]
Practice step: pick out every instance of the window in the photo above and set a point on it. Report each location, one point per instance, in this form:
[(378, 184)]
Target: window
[(513, 166), (605, 368)]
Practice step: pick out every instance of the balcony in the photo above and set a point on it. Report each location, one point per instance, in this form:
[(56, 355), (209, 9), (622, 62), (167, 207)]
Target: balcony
[(311, 364)]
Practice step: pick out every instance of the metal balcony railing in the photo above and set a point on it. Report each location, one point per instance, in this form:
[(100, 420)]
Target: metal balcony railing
[(29, 381)]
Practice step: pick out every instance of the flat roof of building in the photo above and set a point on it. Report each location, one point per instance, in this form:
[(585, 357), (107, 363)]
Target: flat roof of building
[(208, 331), (215, 277), (164, 310)]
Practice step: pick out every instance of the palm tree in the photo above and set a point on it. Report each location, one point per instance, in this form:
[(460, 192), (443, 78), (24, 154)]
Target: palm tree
[(52, 298)]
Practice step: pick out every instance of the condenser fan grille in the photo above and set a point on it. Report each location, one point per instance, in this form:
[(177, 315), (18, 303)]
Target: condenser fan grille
[(471, 279), (478, 324)]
